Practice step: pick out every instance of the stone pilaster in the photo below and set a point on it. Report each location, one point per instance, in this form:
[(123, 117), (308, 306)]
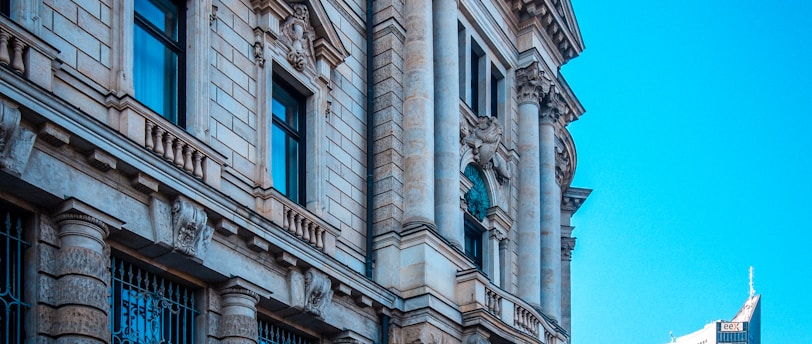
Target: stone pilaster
[(418, 116), (238, 323), (529, 81), (550, 208), (567, 245), (447, 122), (83, 275)]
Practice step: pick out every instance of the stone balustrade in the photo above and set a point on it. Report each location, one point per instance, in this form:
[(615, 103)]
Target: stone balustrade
[(477, 294), (301, 222), (168, 144), (26, 54), (303, 227)]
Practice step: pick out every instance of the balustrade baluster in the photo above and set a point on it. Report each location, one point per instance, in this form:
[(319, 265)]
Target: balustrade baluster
[(299, 230), (198, 163), (179, 153), (4, 58), (306, 232), (17, 63), (159, 140), (169, 154), (320, 237), (150, 143), (188, 165)]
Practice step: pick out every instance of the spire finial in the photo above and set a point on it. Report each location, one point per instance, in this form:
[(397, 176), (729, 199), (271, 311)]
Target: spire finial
[(752, 289)]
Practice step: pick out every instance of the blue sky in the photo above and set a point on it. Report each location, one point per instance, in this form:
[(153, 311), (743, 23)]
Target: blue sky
[(696, 140)]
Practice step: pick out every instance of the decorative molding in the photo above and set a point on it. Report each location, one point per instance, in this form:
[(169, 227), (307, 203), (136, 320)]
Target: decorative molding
[(191, 233), (101, 160), (54, 135), (573, 198), (297, 36), (531, 83), (213, 17), (563, 166), (318, 292)]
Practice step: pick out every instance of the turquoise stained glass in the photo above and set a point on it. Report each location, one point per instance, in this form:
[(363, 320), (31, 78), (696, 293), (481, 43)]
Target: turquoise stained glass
[(477, 197)]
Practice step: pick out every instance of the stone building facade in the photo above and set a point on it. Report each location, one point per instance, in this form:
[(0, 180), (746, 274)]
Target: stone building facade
[(286, 171)]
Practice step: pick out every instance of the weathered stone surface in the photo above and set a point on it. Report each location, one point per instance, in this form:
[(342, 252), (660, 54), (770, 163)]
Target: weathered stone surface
[(238, 326), (82, 261), (80, 320), (81, 290)]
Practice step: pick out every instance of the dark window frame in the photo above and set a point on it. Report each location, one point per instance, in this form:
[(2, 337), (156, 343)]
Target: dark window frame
[(12, 275), (286, 94), (474, 243), (5, 8), (177, 47)]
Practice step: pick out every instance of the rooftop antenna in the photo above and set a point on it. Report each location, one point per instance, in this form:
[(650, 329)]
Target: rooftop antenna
[(673, 339), (752, 289)]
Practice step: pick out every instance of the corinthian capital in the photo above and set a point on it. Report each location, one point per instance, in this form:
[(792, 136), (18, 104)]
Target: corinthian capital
[(531, 83), (553, 107)]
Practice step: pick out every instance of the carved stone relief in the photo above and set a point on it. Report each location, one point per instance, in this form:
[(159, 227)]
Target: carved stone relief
[(553, 107), (259, 47), (563, 167), (531, 83), (297, 37), (318, 293), (567, 245), (483, 140), (192, 234), (15, 142)]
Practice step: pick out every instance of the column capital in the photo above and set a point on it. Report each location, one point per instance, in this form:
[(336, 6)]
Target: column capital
[(237, 285), (552, 107), (75, 210), (531, 83), (567, 245)]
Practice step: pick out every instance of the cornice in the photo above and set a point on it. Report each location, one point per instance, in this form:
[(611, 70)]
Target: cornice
[(573, 198), (548, 15)]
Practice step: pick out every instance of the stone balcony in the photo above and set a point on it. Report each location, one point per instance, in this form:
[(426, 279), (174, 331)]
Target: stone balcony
[(26, 54), (502, 313)]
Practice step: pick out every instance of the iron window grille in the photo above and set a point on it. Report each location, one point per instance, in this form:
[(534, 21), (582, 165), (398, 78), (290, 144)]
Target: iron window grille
[(148, 309), (271, 334), (12, 305)]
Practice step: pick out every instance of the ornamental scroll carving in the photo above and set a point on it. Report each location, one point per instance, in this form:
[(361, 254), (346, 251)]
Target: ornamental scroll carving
[(567, 245), (483, 139), (553, 107), (563, 166), (15, 142), (297, 37), (318, 292), (192, 234)]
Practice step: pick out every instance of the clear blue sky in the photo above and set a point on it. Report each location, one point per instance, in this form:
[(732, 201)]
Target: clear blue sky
[(697, 140)]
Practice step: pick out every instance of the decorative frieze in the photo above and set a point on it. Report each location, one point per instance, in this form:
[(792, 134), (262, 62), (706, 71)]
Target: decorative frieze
[(192, 234)]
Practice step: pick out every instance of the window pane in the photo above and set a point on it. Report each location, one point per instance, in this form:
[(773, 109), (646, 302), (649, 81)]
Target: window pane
[(293, 169), (155, 74), (278, 109), (279, 163), (161, 14)]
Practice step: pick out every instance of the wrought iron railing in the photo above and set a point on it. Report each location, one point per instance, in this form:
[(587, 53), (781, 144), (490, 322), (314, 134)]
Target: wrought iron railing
[(270, 334), (11, 284), (148, 309)]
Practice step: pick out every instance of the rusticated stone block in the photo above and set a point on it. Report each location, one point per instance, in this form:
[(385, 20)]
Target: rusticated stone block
[(238, 325), (82, 261), (46, 316), (80, 320), (81, 290), (47, 286), (47, 231), (47, 258)]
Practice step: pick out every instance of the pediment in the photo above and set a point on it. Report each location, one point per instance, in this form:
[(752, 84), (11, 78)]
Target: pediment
[(319, 34)]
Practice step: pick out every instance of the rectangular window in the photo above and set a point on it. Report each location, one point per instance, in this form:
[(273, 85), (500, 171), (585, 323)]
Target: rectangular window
[(473, 243), (477, 75), (12, 305), (287, 146), (497, 91), (159, 60), (145, 308)]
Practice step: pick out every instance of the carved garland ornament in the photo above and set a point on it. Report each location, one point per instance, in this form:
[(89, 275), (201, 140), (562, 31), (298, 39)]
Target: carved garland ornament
[(192, 235), (297, 37)]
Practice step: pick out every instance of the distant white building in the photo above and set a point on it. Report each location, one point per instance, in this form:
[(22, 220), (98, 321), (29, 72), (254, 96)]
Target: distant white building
[(744, 328)]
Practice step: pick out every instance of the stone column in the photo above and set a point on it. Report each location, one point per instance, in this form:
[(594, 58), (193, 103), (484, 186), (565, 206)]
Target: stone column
[(238, 322), (447, 122), (494, 254), (418, 116), (529, 81), (82, 285), (567, 245), (550, 209)]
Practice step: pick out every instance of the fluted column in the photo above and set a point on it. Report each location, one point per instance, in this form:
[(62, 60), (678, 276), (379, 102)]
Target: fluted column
[(238, 323), (418, 116), (82, 285), (550, 209), (529, 81), (447, 122)]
